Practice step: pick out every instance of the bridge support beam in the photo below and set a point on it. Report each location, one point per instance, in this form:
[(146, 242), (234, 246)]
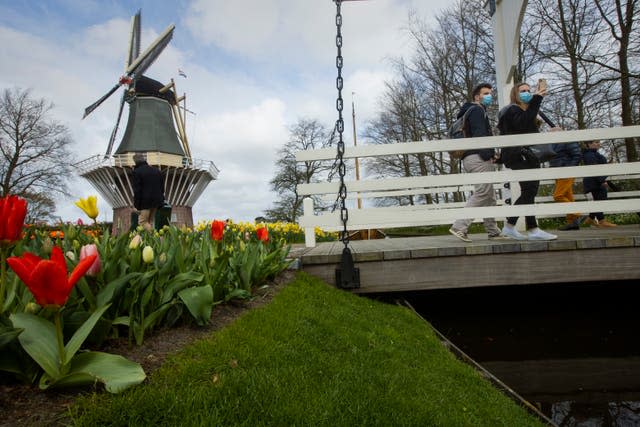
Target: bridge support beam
[(506, 20)]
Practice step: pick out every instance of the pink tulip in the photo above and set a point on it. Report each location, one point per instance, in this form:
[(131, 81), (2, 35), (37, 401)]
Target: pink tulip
[(86, 251)]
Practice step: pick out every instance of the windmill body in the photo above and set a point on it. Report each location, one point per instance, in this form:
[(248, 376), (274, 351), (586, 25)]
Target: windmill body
[(155, 126)]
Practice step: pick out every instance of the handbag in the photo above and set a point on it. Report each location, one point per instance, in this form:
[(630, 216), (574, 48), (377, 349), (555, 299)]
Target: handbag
[(544, 152)]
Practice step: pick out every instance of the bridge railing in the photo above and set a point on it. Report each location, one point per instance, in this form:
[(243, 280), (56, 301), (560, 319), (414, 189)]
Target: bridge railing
[(442, 213)]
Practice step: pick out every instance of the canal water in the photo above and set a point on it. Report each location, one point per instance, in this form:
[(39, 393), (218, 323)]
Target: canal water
[(572, 350)]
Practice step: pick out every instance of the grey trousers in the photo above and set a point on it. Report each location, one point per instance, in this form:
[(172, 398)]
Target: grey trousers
[(483, 195)]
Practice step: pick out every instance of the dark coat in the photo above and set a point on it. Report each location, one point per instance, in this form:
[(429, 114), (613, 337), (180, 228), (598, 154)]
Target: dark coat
[(591, 156), (476, 125), (148, 188), (568, 154), (513, 120)]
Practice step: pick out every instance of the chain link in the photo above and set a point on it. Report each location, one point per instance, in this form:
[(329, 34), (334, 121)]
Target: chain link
[(342, 169)]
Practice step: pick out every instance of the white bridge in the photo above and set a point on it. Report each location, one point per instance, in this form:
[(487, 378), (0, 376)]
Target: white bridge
[(442, 213)]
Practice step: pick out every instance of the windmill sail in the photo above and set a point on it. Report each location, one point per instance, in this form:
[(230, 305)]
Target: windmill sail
[(141, 63), (96, 104), (151, 53), (134, 41)]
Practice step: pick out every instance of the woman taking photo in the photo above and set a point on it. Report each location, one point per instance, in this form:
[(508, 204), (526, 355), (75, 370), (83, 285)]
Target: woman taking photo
[(518, 118)]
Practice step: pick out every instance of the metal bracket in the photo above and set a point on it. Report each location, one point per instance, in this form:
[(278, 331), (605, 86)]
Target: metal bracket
[(347, 275)]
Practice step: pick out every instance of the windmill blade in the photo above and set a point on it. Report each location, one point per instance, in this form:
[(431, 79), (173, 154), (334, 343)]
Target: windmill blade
[(151, 53), (115, 129), (134, 40), (96, 104)]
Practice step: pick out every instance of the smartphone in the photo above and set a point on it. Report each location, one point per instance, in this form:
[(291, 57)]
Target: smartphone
[(542, 84)]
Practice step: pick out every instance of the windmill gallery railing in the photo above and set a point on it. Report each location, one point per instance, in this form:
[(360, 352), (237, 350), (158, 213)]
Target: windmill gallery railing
[(443, 213)]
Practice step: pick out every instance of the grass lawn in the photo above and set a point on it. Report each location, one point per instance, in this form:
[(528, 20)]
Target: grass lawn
[(313, 356)]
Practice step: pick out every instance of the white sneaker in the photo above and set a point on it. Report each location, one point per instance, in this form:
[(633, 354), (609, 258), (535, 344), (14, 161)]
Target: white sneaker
[(537, 234), (512, 233), (460, 235)]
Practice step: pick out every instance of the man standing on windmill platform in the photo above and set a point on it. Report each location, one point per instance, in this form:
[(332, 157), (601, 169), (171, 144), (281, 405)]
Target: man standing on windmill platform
[(148, 192)]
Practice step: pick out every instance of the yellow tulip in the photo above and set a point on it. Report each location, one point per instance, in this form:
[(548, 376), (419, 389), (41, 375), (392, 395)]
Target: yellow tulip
[(147, 254), (89, 206), (135, 242)]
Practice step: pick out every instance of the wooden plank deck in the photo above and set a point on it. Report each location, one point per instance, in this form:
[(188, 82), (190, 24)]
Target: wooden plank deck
[(441, 262)]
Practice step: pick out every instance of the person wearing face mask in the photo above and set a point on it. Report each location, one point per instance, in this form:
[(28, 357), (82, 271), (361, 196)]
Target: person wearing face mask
[(476, 124), (520, 117)]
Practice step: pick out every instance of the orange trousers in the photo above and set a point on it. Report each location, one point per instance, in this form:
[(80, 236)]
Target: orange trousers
[(563, 192)]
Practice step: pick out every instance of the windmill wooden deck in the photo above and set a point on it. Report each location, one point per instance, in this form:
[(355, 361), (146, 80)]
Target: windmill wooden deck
[(441, 262)]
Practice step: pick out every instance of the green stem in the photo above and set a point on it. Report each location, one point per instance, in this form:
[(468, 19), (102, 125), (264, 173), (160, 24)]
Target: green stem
[(3, 276), (60, 339)]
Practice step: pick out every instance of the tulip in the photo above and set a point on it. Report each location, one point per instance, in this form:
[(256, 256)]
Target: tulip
[(47, 245), (263, 234), (13, 209), (48, 279), (217, 230), (135, 242), (86, 251), (71, 255), (147, 254), (89, 206), (31, 308)]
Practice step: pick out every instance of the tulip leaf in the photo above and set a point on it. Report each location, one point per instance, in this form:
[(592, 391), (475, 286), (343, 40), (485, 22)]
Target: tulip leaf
[(8, 334), (179, 282), (122, 320), (83, 332), (150, 320), (115, 372), (106, 295), (199, 302), (39, 340)]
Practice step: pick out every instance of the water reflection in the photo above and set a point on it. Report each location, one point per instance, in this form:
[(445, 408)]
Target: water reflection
[(570, 349), (621, 414)]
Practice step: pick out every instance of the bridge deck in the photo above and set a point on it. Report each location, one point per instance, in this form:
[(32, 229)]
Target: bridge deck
[(440, 262)]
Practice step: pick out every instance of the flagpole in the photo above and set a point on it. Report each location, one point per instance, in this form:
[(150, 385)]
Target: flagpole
[(353, 115)]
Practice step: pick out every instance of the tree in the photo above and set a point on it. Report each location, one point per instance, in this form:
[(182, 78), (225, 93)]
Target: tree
[(35, 159), (422, 102), (620, 19), (306, 134)]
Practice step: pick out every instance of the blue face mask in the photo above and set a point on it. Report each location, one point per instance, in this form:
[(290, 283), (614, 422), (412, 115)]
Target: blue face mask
[(525, 97), (486, 100)]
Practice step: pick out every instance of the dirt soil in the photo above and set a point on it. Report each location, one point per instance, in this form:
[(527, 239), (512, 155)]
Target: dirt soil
[(26, 405)]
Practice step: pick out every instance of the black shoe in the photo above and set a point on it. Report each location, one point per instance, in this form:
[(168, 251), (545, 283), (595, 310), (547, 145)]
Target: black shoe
[(569, 226)]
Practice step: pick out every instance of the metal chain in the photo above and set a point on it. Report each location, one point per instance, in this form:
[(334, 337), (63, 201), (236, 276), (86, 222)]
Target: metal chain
[(342, 169)]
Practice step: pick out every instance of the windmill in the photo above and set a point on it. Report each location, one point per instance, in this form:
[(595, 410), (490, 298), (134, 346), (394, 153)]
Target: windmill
[(156, 127)]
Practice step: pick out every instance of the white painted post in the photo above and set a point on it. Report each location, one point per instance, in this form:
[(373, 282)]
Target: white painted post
[(309, 233), (506, 20)]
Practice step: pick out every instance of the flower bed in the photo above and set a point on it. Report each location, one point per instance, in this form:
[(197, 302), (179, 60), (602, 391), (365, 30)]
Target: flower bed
[(118, 286)]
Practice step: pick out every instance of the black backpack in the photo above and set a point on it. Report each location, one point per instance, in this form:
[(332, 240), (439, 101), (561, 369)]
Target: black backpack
[(459, 130)]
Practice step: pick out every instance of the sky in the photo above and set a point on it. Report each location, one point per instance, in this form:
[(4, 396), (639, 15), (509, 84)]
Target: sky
[(253, 67)]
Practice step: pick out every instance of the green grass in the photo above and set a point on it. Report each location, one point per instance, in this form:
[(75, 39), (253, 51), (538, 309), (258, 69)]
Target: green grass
[(314, 356)]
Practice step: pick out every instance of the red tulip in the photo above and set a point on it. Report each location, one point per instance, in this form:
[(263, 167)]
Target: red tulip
[(263, 234), (86, 251), (47, 278), (13, 209), (217, 230)]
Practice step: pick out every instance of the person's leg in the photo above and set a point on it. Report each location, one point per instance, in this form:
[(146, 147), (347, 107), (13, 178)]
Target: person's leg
[(601, 194), (563, 192), (483, 195), (152, 217), (144, 219), (529, 190)]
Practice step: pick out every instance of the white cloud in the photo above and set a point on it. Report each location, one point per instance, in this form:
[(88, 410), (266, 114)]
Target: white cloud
[(253, 70)]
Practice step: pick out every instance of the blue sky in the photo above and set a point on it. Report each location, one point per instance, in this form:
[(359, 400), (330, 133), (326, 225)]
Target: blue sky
[(253, 68)]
